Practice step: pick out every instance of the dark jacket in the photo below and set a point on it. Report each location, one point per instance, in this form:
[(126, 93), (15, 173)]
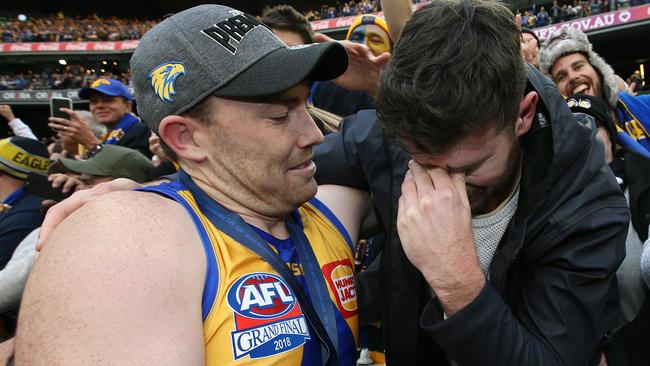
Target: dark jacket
[(551, 297), (328, 96), (23, 217), (635, 170), (137, 138)]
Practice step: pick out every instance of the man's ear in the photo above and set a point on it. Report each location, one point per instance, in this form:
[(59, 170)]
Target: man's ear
[(527, 108), (178, 133)]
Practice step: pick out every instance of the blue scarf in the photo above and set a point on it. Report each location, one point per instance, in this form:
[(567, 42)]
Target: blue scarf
[(120, 129), (633, 114), (10, 200)]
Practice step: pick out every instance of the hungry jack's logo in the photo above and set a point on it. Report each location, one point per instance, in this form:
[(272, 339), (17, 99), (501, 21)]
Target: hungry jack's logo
[(268, 319), (340, 277)]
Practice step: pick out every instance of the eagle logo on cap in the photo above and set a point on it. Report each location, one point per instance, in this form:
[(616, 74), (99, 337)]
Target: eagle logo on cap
[(164, 77), (99, 82)]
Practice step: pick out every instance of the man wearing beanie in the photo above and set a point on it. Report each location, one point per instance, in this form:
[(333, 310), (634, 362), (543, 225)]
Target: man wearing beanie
[(20, 211), (371, 31), (110, 104), (237, 262), (568, 58)]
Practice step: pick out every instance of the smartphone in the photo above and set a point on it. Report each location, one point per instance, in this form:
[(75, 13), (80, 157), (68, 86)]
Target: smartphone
[(56, 103), (38, 185)]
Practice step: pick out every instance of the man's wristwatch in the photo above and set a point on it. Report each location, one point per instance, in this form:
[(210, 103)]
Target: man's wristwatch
[(94, 151)]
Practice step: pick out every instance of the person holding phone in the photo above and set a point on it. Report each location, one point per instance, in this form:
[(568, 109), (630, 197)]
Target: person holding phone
[(110, 104), (20, 211)]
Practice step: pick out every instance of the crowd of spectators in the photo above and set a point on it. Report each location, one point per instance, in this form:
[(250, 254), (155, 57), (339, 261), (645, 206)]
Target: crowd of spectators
[(343, 9), (63, 28), (71, 77), (560, 11)]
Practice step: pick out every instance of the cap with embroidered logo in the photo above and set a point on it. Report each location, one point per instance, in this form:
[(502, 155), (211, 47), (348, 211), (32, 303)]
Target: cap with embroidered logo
[(110, 87), (217, 50)]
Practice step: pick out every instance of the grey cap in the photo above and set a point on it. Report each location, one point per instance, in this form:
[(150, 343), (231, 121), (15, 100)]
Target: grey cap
[(217, 50)]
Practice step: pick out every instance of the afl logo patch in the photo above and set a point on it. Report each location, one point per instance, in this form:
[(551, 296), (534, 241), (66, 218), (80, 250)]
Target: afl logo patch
[(340, 278), (268, 319), (261, 296)]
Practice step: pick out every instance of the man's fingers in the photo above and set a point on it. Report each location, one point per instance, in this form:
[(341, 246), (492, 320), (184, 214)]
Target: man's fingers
[(409, 191), (423, 182), (383, 59), (441, 179), (58, 126), (59, 120), (458, 180), (320, 38), (59, 212), (57, 180), (69, 112), (70, 184)]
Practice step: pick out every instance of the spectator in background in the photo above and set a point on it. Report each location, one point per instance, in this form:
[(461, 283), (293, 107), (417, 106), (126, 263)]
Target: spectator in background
[(372, 32), (288, 24), (531, 20), (294, 29), (70, 147), (632, 330), (531, 46), (110, 104), (568, 59), (557, 13), (18, 127), (635, 83), (542, 18), (20, 212)]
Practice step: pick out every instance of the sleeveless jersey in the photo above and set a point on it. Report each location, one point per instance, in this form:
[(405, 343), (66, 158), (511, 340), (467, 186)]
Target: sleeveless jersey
[(250, 314)]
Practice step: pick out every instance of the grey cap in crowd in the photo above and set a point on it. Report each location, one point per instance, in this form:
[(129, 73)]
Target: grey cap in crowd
[(217, 50)]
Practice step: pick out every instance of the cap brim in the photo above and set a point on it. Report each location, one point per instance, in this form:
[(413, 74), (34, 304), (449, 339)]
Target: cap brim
[(65, 165), (286, 67)]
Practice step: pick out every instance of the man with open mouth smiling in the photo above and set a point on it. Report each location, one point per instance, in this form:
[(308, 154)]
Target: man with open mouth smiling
[(567, 57)]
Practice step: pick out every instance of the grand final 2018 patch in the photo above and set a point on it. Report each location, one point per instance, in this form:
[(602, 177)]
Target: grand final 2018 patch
[(268, 318)]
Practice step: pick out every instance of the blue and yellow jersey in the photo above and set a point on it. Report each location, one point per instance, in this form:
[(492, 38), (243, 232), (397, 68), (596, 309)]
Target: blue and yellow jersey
[(250, 314)]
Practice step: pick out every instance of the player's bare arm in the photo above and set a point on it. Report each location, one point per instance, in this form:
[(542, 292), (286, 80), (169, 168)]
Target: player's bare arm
[(118, 281)]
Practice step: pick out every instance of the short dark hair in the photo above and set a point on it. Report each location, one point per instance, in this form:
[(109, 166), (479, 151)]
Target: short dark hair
[(202, 112), (456, 70), (285, 17)]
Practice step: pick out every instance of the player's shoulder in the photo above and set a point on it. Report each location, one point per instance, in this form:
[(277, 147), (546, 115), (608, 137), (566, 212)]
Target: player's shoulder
[(132, 218)]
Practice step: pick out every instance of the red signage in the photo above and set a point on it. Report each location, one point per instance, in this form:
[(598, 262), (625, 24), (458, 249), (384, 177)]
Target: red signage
[(600, 21), (68, 46)]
